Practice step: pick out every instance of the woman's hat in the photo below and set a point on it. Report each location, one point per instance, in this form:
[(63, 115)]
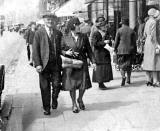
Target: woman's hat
[(152, 12), (72, 23)]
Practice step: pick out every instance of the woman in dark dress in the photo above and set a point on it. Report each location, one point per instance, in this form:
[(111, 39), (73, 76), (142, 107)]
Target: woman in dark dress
[(74, 78), (103, 72)]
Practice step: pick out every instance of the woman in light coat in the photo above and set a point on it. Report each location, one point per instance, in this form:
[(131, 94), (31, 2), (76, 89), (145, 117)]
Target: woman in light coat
[(158, 39), (150, 63)]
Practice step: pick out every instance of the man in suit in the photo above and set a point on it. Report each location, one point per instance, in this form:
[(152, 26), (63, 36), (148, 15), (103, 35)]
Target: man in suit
[(125, 48), (47, 60)]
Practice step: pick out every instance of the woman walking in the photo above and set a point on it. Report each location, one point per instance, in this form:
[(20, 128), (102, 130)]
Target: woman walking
[(103, 72), (125, 48), (150, 54), (76, 45)]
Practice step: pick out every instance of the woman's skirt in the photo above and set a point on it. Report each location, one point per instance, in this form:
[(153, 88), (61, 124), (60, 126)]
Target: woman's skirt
[(76, 79), (103, 73), (125, 61)]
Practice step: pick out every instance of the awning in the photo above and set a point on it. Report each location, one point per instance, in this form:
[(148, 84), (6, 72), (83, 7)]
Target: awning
[(89, 1), (70, 7)]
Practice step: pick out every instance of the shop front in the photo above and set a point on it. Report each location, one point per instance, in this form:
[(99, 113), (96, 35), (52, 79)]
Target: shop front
[(114, 10)]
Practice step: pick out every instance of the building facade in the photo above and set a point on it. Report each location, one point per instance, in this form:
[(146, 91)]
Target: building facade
[(50, 5), (114, 10)]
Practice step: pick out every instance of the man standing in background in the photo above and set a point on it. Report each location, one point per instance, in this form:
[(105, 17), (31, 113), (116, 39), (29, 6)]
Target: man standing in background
[(29, 40)]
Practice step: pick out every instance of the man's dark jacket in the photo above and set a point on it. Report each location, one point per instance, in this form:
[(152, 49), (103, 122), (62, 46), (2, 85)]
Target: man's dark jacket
[(102, 55), (41, 47), (30, 36), (125, 41)]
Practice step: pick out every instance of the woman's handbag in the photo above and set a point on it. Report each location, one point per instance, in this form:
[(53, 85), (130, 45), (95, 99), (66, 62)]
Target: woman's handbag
[(157, 50), (115, 58), (71, 63)]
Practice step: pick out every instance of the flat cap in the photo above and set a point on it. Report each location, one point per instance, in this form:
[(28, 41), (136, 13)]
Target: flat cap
[(48, 14)]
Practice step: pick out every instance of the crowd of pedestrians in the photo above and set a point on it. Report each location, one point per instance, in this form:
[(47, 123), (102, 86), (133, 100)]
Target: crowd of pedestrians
[(62, 53)]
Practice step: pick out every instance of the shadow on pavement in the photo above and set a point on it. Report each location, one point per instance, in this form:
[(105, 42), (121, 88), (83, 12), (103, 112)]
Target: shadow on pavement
[(132, 85), (108, 105), (137, 84), (135, 76), (27, 111)]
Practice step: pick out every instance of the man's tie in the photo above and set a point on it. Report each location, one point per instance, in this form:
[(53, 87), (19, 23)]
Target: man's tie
[(50, 33)]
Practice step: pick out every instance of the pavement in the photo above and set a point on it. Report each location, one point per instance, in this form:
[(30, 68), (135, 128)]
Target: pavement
[(131, 108)]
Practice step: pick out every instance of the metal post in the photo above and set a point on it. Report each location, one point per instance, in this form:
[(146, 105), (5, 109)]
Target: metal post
[(107, 10), (132, 13)]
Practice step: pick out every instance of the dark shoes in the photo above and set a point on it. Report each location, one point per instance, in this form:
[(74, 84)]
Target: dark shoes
[(102, 87), (75, 109), (128, 81), (54, 104), (152, 84), (149, 83), (123, 81), (31, 64), (47, 112), (81, 104)]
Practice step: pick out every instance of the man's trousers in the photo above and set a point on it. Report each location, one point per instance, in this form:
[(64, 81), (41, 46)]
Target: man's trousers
[(50, 78)]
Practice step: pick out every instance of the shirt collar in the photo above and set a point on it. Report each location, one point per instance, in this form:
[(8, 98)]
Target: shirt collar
[(74, 36), (47, 29)]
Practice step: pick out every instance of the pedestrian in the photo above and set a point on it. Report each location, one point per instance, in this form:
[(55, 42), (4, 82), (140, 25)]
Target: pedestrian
[(26, 37), (38, 26), (140, 39), (140, 45), (2, 29), (76, 45), (151, 63), (29, 40), (103, 72), (100, 18), (47, 60), (86, 28), (158, 40), (125, 49)]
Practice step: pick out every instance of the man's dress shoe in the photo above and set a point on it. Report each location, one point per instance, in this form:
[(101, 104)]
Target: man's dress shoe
[(47, 112), (54, 104)]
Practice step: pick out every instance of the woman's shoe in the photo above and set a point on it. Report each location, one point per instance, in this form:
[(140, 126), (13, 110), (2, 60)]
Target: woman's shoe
[(102, 86), (75, 109), (156, 85), (149, 83), (81, 104)]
